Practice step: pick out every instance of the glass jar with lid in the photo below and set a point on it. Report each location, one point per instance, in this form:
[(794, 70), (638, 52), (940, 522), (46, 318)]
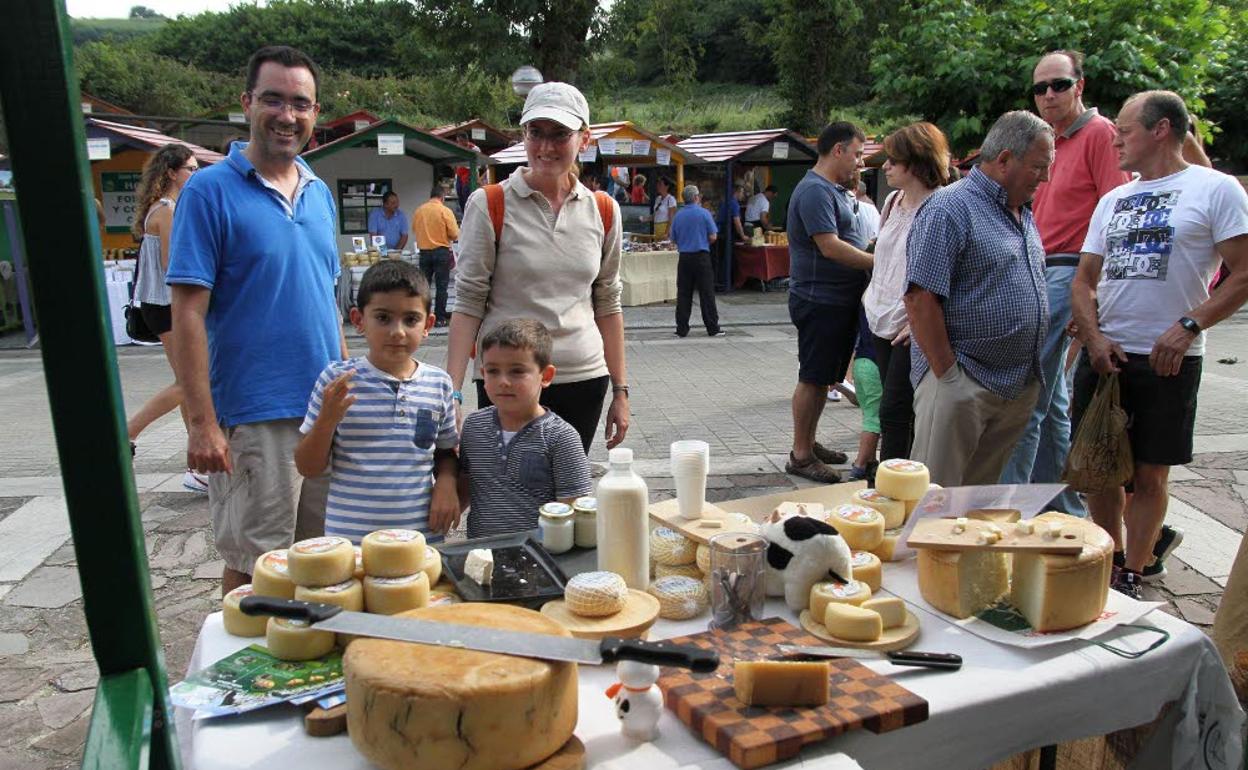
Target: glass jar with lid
[(586, 522), (555, 521)]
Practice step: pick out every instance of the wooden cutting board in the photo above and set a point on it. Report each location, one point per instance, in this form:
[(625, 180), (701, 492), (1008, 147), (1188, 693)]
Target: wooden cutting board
[(753, 736), (666, 513), (939, 534)]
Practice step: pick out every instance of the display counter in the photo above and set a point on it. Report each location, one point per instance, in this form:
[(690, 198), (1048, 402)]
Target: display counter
[(648, 277), (761, 262)]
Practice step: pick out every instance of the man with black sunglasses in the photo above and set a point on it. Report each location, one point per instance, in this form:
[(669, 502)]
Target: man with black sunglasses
[(1085, 167)]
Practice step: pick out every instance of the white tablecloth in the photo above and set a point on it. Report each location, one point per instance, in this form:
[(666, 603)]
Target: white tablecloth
[(1003, 701)]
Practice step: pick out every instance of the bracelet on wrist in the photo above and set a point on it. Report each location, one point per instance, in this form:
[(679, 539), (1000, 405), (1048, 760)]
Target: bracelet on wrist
[(619, 389)]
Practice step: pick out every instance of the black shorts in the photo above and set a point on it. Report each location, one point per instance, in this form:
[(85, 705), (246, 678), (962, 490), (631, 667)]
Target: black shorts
[(825, 340), (1161, 411), (159, 318)]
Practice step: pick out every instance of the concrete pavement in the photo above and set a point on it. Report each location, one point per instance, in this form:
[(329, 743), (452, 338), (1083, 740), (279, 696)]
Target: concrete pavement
[(732, 392)]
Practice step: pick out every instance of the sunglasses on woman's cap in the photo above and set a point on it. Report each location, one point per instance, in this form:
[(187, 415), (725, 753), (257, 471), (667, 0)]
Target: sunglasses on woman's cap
[(1058, 85)]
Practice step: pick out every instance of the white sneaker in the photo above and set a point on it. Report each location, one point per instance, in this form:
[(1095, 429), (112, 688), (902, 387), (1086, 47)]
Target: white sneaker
[(195, 482), (847, 388), (834, 395)]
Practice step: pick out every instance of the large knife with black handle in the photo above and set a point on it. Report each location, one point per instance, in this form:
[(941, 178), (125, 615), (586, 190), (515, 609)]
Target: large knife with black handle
[(329, 617), (944, 661)]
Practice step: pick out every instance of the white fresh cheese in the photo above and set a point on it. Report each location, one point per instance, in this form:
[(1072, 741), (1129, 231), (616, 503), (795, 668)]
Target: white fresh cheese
[(479, 566)]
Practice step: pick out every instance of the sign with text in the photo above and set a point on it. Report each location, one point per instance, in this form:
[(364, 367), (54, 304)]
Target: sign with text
[(389, 144), (641, 146), (607, 147), (589, 155), (780, 150), (99, 149), (238, 117), (478, 134), (118, 197), (663, 157)]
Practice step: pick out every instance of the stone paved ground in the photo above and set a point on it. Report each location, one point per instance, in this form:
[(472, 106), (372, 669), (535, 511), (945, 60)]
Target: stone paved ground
[(732, 392)]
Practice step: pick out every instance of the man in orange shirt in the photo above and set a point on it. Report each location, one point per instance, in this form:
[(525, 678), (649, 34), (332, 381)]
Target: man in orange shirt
[(434, 226)]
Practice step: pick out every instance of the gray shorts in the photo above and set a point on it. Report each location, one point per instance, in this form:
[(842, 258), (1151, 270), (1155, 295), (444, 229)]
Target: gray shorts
[(264, 504)]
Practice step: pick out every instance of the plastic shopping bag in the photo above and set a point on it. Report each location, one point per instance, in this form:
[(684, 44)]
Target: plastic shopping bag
[(1100, 456)]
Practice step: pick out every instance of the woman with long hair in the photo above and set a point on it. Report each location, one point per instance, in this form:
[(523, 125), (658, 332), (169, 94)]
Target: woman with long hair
[(917, 164), (164, 174)]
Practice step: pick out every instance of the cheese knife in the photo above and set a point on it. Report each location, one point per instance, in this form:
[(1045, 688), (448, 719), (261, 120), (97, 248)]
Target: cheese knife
[(330, 617), (945, 661)]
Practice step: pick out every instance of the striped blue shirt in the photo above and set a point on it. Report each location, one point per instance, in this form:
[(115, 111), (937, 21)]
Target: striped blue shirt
[(987, 268), (381, 464), (509, 480)]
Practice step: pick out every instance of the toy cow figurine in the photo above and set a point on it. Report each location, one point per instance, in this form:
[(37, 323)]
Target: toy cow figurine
[(802, 550), (638, 702)]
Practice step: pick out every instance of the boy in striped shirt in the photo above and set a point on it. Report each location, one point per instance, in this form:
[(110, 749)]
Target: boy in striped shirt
[(384, 423), (518, 455)]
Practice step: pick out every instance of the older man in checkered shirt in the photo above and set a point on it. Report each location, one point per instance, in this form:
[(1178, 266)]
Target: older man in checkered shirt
[(978, 307)]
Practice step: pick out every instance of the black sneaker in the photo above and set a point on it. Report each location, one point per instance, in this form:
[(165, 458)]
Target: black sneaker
[(1167, 541), (1128, 584)]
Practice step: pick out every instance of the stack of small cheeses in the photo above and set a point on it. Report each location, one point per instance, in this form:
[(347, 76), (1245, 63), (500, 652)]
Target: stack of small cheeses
[(899, 486), (680, 567), (390, 572)]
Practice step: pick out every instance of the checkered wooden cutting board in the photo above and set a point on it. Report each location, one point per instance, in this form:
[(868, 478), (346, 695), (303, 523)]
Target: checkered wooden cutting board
[(753, 736)]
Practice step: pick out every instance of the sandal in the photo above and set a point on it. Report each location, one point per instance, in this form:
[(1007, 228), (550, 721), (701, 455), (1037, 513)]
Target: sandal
[(812, 469), (828, 456)]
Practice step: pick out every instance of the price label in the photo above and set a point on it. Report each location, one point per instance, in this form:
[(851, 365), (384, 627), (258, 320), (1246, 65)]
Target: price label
[(99, 149), (589, 155), (359, 243), (389, 144), (641, 146), (608, 147)]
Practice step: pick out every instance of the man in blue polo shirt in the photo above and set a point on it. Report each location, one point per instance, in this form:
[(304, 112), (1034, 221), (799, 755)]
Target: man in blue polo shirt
[(252, 266), (389, 221), (693, 231)]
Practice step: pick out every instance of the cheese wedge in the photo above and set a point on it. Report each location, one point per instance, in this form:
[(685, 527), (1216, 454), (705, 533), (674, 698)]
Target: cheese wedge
[(892, 611), (961, 583), (1056, 592), (853, 624), (781, 683)]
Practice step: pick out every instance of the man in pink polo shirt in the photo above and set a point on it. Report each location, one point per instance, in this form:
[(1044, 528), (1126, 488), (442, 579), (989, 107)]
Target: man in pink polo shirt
[(1084, 169)]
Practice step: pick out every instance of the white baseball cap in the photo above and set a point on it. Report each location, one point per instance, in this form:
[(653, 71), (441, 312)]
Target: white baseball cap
[(559, 102)]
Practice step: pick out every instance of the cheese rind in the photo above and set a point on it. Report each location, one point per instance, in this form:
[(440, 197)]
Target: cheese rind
[(680, 598), (393, 552), (912, 504), (479, 566), (861, 527), (359, 563), (892, 611), (235, 621), (853, 624), (321, 561), (830, 592), (893, 511), (867, 569), (293, 640), (961, 583), (781, 683), (433, 565), (392, 595), (1056, 592), (667, 546), (887, 549), (902, 479), (271, 576), (465, 709), (595, 594), (349, 594), (703, 559)]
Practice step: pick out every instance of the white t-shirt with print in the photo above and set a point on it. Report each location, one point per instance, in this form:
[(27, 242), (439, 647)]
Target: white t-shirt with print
[(1158, 239), (663, 208), (757, 206)]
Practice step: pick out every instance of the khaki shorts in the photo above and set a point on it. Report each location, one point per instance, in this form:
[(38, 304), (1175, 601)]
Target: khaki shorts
[(264, 504)]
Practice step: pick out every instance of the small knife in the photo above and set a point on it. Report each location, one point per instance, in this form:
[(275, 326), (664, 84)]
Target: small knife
[(946, 661), (330, 617)]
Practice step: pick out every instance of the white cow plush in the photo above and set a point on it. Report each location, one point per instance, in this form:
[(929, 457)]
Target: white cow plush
[(638, 702), (802, 551)]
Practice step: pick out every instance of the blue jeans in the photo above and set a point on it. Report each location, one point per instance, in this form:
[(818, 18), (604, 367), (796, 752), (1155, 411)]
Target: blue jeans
[(1041, 453)]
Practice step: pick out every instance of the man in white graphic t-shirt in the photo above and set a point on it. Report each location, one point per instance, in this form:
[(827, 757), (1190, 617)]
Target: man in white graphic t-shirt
[(1141, 302)]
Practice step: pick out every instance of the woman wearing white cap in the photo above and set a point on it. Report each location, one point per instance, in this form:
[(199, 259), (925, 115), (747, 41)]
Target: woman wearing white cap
[(554, 260)]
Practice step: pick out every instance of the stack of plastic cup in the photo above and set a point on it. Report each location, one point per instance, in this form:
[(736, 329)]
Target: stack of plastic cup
[(691, 461)]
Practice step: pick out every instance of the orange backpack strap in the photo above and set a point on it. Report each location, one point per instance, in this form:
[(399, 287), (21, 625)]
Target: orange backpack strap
[(606, 212), (494, 203)]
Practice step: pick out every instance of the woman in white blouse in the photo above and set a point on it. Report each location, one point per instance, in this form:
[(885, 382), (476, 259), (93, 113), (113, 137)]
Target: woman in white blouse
[(917, 164), (664, 207)]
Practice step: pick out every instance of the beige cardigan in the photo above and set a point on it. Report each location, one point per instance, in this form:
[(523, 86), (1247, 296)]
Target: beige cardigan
[(561, 272)]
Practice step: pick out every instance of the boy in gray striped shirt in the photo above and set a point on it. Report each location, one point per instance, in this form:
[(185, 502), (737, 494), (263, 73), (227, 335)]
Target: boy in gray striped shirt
[(516, 454)]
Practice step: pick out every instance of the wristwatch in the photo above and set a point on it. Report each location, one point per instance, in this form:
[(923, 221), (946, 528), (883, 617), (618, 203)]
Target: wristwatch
[(1190, 324), (459, 397)]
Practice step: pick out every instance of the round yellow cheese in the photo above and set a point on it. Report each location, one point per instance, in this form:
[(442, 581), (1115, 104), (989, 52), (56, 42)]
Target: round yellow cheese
[(680, 598), (667, 546), (465, 709), (433, 565), (271, 577), (348, 594), (595, 594), (912, 504), (687, 570), (321, 561), (893, 511), (392, 595), (359, 563), (860, 526), (393, 552), (902, 479), (832, 592), (702, 559), (867, 569), (235, 621), (854, 624), (293, 640), (887, 548)]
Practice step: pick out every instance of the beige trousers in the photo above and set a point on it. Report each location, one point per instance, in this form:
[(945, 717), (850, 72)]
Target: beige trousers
[(264, 504), (1230, 625), (963, 432)]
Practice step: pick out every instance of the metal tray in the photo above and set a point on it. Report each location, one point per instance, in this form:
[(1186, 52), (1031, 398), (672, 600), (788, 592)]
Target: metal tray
[(524, 572)]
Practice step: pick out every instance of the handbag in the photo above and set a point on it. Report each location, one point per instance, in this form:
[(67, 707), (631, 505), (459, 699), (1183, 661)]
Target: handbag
[(136, 327)]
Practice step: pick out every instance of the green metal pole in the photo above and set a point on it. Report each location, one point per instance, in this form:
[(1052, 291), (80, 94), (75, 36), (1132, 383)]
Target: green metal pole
[(41, 103)]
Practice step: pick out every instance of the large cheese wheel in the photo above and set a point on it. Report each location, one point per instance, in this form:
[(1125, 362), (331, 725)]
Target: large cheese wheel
[(271, 576), (392, 595), (867, 569), (293, 640), (860, 526), (349, 594), (667, 546), (464, 709), (1056, 592), (595, 594), (961, 583), (235, 621), (893, 511), (680, 598), (433, 565), (832, 592), (902, 479), (321, 561), (393, 552)]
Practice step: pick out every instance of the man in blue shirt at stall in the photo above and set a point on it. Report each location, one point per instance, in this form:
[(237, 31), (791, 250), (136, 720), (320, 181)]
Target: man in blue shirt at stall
[(389, 221), (693, 231), (253, 264)]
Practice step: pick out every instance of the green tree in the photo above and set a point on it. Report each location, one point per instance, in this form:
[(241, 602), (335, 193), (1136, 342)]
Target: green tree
[(809, 38), (964, 62), (143, 12), (1228, 97)]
